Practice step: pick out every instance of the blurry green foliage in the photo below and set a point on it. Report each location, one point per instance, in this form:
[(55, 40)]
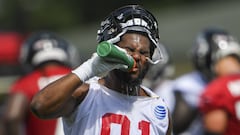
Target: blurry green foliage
[(28, 15)]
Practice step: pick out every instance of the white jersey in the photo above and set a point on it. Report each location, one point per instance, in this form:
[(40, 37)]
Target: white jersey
[(106, 112), (59, 127), (191, 86)]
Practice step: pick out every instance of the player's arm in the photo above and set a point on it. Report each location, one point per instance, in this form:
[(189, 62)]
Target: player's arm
[(183, 114), (15, 113), (61, 97), (210, 119), (57, 98)]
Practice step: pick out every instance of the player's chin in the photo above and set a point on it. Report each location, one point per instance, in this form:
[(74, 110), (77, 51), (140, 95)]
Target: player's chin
[(135, 75), (133, 78)]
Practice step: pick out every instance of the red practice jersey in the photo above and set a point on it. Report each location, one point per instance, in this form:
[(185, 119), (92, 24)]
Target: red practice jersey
[(224, 93), (30, 85)]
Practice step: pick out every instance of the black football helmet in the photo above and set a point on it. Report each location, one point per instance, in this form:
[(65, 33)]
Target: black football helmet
[(44, 46), (131, 18), (211, 45)]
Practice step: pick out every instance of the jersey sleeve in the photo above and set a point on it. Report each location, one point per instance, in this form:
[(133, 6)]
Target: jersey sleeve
[(215, 96), (82, 110)]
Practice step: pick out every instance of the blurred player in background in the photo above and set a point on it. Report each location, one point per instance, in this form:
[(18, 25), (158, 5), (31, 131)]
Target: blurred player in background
[(10, 42), (46, 57), (212, 57)]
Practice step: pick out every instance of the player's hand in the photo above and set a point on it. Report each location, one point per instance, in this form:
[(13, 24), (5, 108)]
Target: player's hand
[(96, 66)]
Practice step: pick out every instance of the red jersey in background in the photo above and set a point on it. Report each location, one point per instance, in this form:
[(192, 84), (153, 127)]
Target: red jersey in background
[(30, 85), (224, 93)]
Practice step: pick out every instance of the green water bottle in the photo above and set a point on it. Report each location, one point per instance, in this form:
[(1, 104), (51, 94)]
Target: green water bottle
[(111, 53)]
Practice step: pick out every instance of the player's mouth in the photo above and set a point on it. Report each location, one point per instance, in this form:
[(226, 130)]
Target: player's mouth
[(135, 68)]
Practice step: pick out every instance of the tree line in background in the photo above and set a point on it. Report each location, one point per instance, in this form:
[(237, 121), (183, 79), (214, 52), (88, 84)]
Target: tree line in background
[(28, 15)]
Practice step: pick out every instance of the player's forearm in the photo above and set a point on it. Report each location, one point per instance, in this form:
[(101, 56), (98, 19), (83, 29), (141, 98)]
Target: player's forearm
[(15, 114), (53, 100), (56, 96), (212, 117)]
